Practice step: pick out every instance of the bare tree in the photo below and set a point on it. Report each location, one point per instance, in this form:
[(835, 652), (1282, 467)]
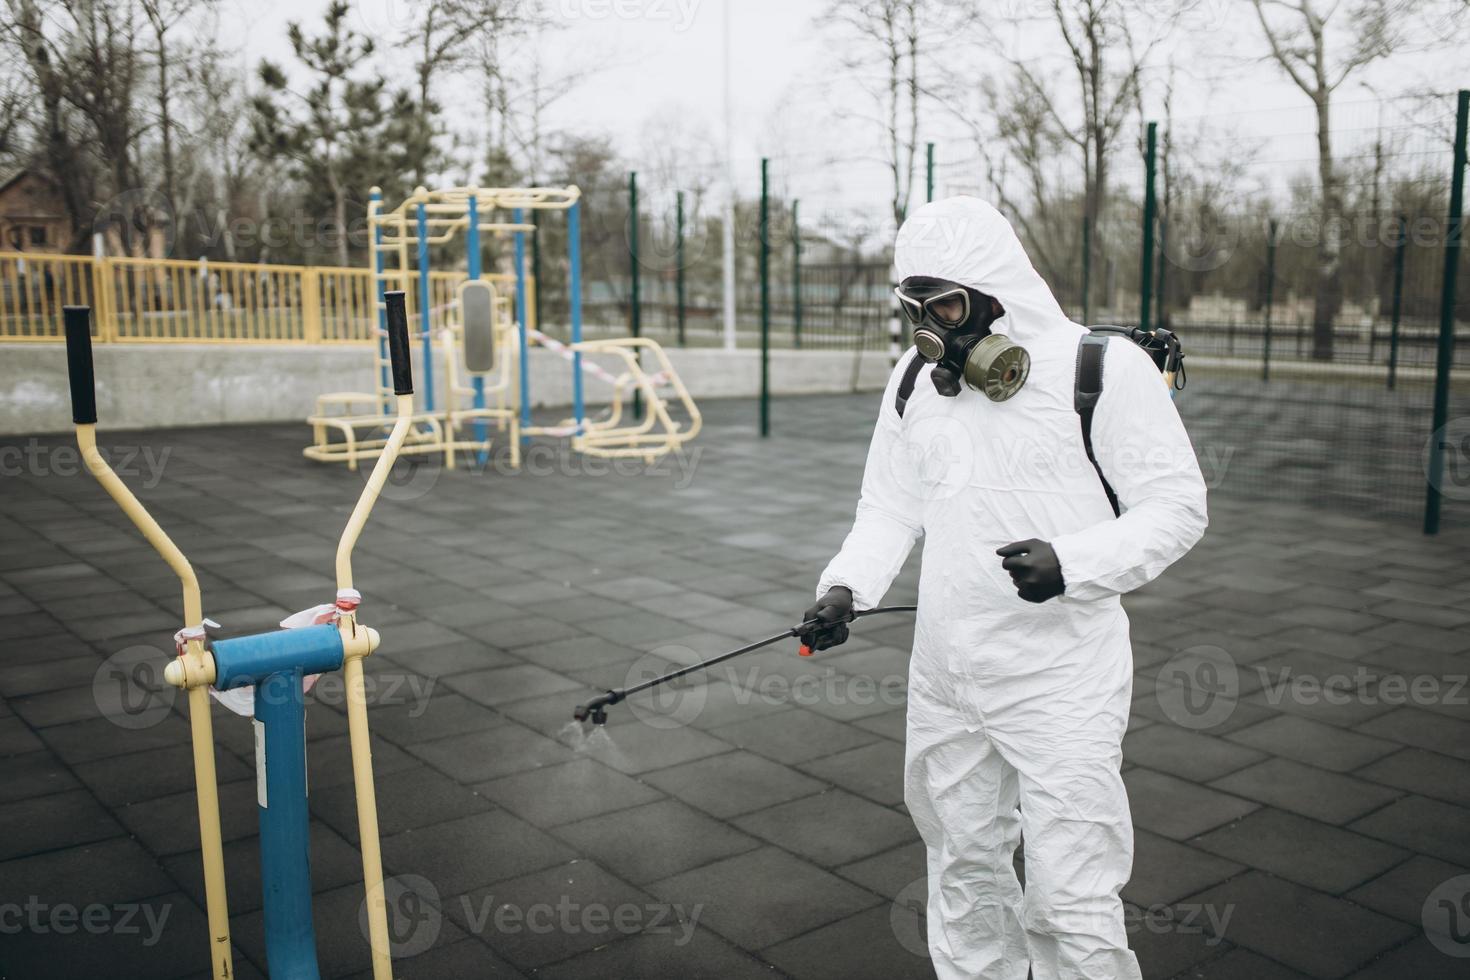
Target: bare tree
[(886, 45), (14, 118), (441, 42), (1107, 44), (163, 16), (1318, 60)]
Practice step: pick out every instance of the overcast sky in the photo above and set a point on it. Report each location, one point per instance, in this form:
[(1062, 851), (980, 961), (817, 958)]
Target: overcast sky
[(663, 66)]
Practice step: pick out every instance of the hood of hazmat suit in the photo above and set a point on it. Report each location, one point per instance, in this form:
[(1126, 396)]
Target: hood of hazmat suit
[(1016, 710)]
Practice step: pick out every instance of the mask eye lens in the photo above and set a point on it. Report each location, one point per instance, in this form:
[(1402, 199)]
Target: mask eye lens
[(949, 309)]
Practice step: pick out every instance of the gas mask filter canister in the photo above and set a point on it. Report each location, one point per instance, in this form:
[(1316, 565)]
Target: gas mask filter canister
[(952, 331)]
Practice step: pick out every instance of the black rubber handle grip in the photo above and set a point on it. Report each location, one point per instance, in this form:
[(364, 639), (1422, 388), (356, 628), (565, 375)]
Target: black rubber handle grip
[(78, 323), (398, 341)]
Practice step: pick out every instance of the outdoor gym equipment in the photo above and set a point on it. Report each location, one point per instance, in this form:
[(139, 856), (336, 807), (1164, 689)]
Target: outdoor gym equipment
[(275, 663), (595, 710), (428, 218)]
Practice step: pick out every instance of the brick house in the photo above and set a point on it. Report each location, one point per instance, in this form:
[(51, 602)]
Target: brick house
[(32, 215)]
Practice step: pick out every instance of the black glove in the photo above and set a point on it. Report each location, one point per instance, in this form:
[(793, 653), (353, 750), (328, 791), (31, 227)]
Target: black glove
[(1034, 568), (834, 608)]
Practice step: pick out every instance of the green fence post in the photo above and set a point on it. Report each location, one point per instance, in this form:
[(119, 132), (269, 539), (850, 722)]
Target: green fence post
[(1270, 298), (765, 273), (1146, 278), (1398, 301), (1453, 233), (1086, 267), (796, 274), (679, 260), (635, 325), (928, 171)]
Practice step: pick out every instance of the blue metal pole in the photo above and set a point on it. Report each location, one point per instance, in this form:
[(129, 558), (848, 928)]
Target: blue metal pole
[(285, 869), (427, 368), (574, 302), (472, 245), (382, 287), (520, 239)]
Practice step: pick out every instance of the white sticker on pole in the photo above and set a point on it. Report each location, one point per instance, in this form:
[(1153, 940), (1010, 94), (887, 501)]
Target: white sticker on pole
[(260, 795)]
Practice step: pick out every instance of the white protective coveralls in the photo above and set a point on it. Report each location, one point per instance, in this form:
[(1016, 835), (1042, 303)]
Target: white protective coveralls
[(1014, 704)]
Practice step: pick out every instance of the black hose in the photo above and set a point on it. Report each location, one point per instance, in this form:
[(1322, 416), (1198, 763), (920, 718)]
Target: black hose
[(596, 709)]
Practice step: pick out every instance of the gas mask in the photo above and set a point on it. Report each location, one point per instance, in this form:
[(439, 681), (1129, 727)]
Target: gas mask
[(952, 331)]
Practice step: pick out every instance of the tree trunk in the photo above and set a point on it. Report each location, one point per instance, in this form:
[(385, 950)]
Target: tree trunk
[(1328, 294), (339, 218)]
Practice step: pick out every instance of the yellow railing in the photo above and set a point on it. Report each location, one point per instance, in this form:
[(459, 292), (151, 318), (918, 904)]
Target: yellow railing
[(171, 301)]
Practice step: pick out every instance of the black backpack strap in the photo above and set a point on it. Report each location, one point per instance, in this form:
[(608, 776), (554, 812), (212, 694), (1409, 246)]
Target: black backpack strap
[(1090, 351), (906, 383)]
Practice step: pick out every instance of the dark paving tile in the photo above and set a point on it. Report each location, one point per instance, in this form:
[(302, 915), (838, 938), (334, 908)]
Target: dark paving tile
[(559, 912), (498, 751), (640, 748), (46, 822), (49, 675), (1301, 850), (16, 738), (830, 828), (578, 653), (1187, 754), (1424, 729), (329, 760), (409, 799), (890, 872), (334, 863), (762, 897), (1426, 773), (467, 958), (1300, 928), (160, 937), (473, 851), (872, 771), (1240, 964), (34, 774), (565, 793), (654, 841), (439, 716), (342, 944), (163, 772), (1169, 939), (108, 871), (506, 684), (794, 736), (867, 944), (1178, 809), (1401, 891), (1316, 793), (1165, 871), (1316, 744), (449, 659), (732, 783), (169, 825), (1422, 825), (1417, 959), (891, 724), (696, 955)]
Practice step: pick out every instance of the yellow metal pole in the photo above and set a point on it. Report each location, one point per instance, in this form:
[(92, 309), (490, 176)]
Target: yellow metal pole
[(357, 719), (311, 305), (197, 666)]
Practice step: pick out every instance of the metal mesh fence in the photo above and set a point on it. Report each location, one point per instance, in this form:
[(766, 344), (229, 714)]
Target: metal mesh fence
[(1311, 318)]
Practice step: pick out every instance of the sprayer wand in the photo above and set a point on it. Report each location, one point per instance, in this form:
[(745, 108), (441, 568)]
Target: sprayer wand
[(596, 709)]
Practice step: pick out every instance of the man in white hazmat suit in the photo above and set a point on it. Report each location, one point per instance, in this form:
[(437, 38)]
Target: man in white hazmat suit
[(1021, 675)]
